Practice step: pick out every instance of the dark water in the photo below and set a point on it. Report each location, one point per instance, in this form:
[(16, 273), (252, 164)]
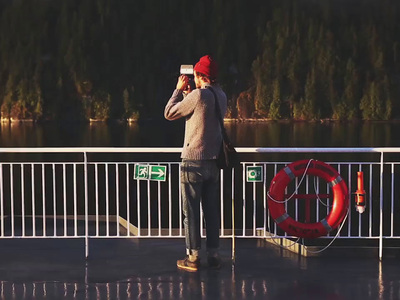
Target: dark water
[(303, 134), (170, 134)]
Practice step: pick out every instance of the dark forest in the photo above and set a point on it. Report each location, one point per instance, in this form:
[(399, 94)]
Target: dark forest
[(119, 59)]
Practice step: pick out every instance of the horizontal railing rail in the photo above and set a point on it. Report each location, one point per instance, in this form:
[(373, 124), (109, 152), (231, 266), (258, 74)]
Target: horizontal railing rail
[(98, 195), (178, 150)]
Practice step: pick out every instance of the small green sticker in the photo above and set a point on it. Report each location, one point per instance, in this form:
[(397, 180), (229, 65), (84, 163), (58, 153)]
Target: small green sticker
[(254, 174)]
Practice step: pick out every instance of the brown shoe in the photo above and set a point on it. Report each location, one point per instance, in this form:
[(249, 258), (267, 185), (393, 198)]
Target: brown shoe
[(187, 265)]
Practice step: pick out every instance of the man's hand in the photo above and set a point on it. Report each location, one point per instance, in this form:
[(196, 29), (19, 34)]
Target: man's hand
[(183, 82)]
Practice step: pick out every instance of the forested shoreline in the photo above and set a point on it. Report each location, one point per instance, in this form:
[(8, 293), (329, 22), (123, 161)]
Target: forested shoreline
[(119, 59)]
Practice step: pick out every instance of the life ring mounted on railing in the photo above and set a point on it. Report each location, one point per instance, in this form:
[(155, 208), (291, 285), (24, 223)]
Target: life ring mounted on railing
[(276, 198)]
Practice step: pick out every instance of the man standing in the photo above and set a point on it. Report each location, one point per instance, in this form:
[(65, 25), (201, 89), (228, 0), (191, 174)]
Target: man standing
[(199, 171)]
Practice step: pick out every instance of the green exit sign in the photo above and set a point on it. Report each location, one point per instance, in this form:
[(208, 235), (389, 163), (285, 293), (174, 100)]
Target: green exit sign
[(149, 172), (254, 174)]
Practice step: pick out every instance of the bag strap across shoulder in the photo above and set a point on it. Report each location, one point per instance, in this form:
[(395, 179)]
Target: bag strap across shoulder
[(219, 115)]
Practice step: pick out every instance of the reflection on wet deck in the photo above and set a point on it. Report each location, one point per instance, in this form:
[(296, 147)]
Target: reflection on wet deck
[(145, 269), (157, 288)]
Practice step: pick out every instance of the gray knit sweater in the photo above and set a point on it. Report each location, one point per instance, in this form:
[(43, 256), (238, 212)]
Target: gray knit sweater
[(202, 132)]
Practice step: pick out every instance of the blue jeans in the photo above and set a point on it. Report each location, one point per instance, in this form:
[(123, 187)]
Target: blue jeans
[(200, 184)]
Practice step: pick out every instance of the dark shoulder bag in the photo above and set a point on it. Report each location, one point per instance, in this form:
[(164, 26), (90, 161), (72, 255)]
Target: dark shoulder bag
[(227, 157)]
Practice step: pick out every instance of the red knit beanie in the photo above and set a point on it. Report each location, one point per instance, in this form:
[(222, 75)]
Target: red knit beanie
[(207, 66)]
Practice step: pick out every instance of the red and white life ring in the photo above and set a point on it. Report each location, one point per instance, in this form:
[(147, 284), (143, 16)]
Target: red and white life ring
[(276, 198)]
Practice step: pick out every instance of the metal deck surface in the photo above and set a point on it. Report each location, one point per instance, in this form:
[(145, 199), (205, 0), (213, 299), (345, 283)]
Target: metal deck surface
[(146, 269)]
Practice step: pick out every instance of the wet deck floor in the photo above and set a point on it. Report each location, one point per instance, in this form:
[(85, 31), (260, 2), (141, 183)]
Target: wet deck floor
[(146, 269)]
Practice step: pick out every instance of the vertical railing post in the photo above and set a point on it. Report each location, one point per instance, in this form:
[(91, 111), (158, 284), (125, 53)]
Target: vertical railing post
[(86, 205), (221, 200), (12, 200), (233, 218), (244, 200), (392, 202), (170, 202), (254, 206), (33, 200), (181, 230), (381, 210), (1, 201)]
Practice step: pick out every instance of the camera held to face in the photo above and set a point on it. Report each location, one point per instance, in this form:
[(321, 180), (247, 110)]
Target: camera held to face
[(188, 71)]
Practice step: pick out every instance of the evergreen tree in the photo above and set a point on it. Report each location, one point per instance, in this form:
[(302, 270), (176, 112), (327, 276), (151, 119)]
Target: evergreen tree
[(310, 94), (274, 110), (374, 105), (78, 59)]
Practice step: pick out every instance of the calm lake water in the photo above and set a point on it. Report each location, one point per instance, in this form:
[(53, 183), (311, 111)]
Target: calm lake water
[(170, 134)]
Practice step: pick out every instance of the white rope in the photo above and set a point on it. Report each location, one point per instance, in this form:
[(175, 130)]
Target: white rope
[(337, 234), (284, 201), (276, 243), (326, 205), (313, 252), (297, 187), (319, 199)]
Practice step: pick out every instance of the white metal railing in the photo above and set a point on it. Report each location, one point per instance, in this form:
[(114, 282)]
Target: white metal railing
[(91, 193)]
